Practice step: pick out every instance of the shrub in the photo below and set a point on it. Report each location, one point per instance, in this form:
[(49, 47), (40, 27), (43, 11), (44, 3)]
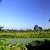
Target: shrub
[(12, 46)]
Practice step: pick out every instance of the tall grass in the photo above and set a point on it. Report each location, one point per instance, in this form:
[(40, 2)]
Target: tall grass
[(25, 35)]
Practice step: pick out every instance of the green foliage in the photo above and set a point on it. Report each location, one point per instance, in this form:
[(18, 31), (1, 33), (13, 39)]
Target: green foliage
[(21, 30), (40, 29), (37, 43), (48, 29), (3, 41), (25, 35), (12, 46), (28, 30), (36, 28)]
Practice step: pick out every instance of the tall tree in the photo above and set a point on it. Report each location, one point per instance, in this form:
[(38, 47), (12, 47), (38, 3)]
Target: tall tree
[(36, 28), (40, 29)]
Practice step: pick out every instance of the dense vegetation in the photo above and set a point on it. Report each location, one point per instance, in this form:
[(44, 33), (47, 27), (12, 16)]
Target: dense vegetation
[(39, 45), (34, 45), (12, 46), (25, 35), (38, 32), (36, 28)]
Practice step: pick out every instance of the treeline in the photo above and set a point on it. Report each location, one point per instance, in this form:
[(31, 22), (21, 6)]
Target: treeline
[(36, 28), (14, 31), (28, 30)]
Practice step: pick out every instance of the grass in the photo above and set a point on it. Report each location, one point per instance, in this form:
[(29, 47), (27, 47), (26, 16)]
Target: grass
[(25, 35)]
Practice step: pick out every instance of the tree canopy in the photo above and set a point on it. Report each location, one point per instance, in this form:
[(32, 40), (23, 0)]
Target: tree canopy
[(36, 28)]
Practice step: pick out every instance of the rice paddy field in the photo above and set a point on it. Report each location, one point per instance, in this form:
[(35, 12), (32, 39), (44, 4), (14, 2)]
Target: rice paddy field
[(25, 38), (25, 35)]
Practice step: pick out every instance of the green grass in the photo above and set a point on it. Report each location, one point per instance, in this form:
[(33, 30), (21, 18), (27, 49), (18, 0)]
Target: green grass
[(25, 35)]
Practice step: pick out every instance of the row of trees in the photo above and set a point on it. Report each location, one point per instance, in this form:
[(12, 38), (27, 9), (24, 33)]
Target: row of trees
[(36, 29)]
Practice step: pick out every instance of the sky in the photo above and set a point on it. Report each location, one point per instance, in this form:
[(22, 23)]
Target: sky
[(24, 14)]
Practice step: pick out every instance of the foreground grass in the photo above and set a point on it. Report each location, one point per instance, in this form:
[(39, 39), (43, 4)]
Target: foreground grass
[(25, 35)]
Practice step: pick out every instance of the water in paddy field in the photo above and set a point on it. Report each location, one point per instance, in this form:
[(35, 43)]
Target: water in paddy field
[(23, 40)]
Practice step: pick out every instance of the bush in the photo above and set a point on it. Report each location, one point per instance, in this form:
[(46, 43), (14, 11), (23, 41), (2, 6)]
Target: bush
[(12, 46), (39, 45)]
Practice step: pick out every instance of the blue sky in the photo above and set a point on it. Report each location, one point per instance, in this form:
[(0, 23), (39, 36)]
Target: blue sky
[(24, 14)]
